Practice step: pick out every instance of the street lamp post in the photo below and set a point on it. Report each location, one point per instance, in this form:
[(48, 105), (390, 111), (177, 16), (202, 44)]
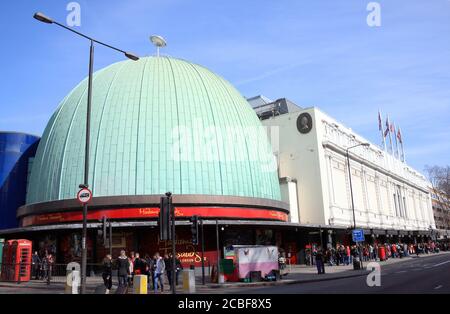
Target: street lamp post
[(42, 18), (351, 189)]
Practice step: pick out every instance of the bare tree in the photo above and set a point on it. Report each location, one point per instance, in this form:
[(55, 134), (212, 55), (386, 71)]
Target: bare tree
[(439, 177)]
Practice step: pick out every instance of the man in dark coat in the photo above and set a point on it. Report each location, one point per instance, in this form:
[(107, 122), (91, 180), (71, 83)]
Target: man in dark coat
[(169, 269), (140, 265), (319, 262), (123, 269), (178, 268), (36, 263)]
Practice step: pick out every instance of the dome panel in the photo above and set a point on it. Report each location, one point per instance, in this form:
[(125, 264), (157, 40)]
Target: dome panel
[(159, 124)]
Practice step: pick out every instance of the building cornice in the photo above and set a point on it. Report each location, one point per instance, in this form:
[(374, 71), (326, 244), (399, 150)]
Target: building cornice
[(151, 200), (369, 164)]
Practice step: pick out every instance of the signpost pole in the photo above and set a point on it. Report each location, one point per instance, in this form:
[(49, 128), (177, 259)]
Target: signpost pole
[(110, 238), (203, 252), (218, 251), (174, 253), (86, 171), (358, 237)]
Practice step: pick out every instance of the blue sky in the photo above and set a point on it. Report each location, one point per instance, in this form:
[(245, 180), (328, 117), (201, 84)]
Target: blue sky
[(316, 53)]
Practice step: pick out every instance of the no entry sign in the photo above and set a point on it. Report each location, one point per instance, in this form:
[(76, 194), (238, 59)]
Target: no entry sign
[(84, 195)]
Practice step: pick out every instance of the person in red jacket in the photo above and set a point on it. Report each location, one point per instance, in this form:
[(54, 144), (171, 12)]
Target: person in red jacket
[(394, 250), (347, 255)]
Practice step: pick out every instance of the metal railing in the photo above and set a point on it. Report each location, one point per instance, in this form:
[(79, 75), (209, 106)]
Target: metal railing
[(19, 272)]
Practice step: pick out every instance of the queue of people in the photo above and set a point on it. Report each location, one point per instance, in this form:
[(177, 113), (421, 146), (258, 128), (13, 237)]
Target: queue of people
[(344, 254), (157, 268)]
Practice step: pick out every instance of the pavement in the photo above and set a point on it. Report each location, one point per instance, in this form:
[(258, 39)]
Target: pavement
[(295, 279), (301, 274)]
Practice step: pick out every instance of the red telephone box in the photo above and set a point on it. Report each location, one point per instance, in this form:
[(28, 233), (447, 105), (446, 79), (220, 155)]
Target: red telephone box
[(16, 261)]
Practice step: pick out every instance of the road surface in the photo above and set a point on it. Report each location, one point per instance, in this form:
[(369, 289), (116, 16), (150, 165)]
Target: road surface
[(429, 274)]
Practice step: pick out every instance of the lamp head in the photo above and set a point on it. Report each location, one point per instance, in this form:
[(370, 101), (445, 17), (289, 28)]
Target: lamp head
[(41, 17), (131, 56)]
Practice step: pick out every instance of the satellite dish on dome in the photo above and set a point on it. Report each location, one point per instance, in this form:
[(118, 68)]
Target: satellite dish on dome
[(159, 42)]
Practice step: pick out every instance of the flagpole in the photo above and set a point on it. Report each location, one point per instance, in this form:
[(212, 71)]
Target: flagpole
[(380, 127), (396, 142), (403, 152), (401, 143), (390, 136)]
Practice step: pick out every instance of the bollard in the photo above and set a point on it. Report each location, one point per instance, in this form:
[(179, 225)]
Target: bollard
[(140, 284), (76, 280), (189, 281), (70, 277)]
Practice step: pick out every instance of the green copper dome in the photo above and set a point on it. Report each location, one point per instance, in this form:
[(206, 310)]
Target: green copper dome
[(159, 124)]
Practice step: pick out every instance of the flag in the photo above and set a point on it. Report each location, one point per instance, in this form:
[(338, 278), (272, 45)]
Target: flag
[(380, 127), (386, 132), (399, 136)]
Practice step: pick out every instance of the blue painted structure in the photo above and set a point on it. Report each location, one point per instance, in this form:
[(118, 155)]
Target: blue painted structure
[(16, 149)]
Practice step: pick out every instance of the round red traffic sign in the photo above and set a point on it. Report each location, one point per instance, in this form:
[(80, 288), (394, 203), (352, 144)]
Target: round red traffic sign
[(84, 195)]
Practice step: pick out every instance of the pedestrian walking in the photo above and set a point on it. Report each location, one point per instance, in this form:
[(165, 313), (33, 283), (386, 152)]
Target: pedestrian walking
[(329, 257), (365, 253), (160, 267), (337, 254), (123, 270), (319, 262), (405, 249), (375, 251), (178, 267), (131, 259), (107, 273), (150, 269), (342, 254), (371, 252), (348, 255), (48, 266), (36, 265), (394, 250), (131, 269), (139, 265), (169, 271)]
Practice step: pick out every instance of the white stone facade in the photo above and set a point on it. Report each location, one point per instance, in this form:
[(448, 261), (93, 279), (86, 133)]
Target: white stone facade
[(388, 194)]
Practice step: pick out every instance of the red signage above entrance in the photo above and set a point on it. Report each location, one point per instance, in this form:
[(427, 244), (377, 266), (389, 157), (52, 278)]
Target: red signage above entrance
[(152, 212)]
